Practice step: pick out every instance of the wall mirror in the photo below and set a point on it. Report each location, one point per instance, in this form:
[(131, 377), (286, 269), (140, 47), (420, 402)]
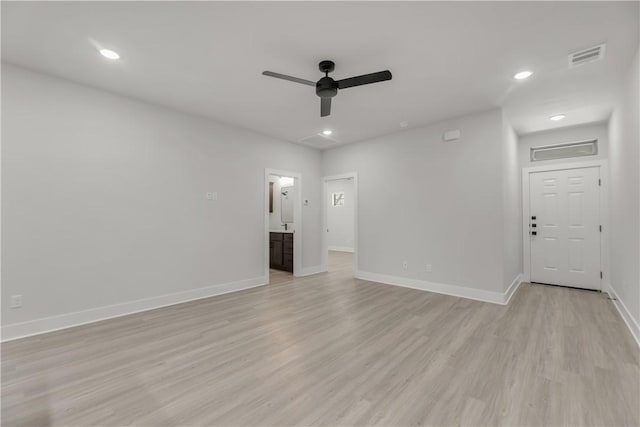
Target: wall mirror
[(271, 197)]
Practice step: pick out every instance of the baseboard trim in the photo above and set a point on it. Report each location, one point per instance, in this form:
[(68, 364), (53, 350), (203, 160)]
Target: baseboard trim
[(54, 323), (308, 271), (341, 249), (442, 288), (513, 287), (631, 323)]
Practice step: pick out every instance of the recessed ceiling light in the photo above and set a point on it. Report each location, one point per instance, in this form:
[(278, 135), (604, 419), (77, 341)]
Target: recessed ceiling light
[(522, 75), (557, 117), (108, 53), (327, 132)]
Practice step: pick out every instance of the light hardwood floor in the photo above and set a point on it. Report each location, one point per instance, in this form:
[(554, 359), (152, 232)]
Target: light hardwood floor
[(332, 350)]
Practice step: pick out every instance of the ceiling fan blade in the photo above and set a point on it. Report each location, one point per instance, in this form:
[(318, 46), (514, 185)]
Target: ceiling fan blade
[(325, 107), (364, 79), (290, 78)]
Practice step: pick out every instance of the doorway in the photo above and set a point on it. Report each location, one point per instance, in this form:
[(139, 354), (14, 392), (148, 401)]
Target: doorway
[(340, 223), (563, 226), (283, 225)]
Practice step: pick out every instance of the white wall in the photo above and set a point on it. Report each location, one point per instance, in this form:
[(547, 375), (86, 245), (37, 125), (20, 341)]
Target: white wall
[(512, 205), (624, 162), (598, 131), (430, 202), (104, 199), (340, 219)]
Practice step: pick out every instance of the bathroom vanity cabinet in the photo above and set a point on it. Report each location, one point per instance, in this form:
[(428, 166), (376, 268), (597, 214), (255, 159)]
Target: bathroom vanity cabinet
[(281, 251)]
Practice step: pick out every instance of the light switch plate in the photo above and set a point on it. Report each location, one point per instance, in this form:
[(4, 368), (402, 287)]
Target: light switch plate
[(16, 301), (451, 135)]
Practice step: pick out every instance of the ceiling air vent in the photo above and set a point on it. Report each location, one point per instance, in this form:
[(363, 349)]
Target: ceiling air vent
[(318, 141), (584, 56)]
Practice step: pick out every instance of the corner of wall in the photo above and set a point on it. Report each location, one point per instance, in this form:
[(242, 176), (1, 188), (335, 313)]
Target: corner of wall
[(511, 206), (624, 200)]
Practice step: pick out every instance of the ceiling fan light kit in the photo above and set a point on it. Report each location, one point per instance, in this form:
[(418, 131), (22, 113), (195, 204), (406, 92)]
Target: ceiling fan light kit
[(327, 88)]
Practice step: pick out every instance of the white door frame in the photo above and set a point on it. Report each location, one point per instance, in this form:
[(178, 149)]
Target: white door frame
[(325, 215), (297, 219), (603, 208)]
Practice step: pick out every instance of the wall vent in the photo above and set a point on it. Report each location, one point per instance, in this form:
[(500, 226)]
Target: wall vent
[(584, 56), (563, 151), (318, 141)]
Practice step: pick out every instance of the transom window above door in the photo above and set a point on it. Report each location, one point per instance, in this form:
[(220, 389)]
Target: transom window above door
[(563, 151)]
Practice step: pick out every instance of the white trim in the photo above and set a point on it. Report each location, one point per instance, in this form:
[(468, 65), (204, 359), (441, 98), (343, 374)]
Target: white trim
[(68, 320), (564, 166), (442, 288), (340, 249), (297, 217), (308, 271), (631, 323), (513, 287), (604, 216), (325, 213)]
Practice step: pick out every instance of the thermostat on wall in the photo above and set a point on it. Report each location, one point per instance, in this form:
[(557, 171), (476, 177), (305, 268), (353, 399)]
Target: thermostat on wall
[(451, 135)]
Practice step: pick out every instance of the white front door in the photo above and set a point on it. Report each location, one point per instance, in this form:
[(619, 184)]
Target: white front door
[(564, 227)]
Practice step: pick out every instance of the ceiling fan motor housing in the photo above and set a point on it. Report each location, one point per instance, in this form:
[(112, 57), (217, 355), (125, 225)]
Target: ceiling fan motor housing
[(326, 87)]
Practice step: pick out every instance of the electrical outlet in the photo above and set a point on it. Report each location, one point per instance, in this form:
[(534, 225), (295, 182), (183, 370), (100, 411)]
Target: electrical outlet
[(428, 268), (16, 301), (405, 264)]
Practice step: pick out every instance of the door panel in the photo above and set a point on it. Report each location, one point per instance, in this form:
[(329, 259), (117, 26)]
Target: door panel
[(576, 258), (565, 234), (550, 245)]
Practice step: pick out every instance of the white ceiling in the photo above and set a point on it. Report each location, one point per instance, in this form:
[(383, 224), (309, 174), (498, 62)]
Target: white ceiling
[(447, 59)]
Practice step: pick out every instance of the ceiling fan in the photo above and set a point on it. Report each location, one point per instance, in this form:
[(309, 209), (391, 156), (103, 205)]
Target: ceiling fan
[(327, 88)]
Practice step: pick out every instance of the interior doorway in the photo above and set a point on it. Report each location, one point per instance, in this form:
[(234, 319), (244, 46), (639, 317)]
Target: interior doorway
[(563, 243), (340, 206), (283, 225)]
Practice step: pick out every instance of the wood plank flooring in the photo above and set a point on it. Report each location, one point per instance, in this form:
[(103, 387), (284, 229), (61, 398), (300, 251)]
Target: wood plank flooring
[(332, 350)]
